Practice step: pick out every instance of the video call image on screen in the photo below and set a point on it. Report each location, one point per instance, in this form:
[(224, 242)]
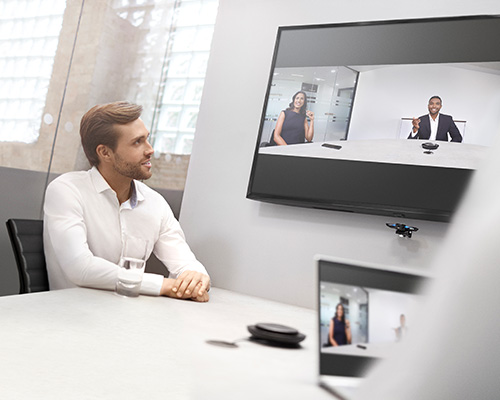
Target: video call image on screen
[(340, 105), (363, 321), (368, 110)]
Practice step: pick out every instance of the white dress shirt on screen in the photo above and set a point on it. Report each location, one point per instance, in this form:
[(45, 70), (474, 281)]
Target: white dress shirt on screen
[(84, 225), (434, 127)]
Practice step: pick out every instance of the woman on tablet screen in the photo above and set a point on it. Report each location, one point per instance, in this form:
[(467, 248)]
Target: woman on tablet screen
[(292, 126), (340, 328)]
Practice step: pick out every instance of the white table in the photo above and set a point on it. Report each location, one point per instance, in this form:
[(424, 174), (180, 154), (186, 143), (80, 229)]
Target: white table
[(375, 350), (396, 151), (92, 344)]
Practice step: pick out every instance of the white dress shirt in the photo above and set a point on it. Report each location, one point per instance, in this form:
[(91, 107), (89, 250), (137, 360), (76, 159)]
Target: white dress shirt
[(84, 225), (434, 127)]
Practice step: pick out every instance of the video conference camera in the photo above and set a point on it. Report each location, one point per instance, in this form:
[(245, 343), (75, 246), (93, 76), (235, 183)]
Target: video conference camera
[(403, 230)]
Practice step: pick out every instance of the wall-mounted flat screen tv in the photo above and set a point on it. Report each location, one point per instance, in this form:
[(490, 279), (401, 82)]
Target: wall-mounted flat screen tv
[(386, 117)]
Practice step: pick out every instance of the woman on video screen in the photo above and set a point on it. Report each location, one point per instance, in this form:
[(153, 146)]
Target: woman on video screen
[(340, 328), (292, 126)]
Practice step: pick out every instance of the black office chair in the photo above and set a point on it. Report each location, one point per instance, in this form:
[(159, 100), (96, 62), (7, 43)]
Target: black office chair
[(269, 143), (26, 236)]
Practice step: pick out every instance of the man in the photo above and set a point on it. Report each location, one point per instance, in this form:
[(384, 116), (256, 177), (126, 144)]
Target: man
[(435, 126), (87, 213), (402, 329)]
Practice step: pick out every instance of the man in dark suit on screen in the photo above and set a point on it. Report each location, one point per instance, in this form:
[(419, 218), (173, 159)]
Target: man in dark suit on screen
[(435, 126)]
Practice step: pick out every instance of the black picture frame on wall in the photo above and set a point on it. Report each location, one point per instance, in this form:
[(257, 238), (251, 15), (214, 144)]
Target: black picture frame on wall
[(305, 175)]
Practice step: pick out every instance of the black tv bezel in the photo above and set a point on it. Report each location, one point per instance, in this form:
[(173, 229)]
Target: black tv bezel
[(389, 198)]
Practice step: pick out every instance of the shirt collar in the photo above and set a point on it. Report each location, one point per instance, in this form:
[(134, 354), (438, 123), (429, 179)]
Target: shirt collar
[(101, 185), (434, 120), (98, 181)]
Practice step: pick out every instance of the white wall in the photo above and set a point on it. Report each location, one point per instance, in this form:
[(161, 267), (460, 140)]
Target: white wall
[(262, 249), (404, 91), (385, 309)]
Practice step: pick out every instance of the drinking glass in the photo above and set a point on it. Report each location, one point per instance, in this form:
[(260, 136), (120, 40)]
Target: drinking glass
[(132, 264)]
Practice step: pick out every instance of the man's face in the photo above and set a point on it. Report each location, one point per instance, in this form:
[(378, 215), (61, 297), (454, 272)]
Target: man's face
[(434, 106), (132, 157)]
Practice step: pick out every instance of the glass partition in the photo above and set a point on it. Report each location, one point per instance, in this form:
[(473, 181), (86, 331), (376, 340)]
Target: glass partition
[(29, 37), (60, 58)]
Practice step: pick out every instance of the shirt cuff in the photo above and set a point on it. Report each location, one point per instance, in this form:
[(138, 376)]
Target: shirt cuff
[(192, 266), (151, 284)]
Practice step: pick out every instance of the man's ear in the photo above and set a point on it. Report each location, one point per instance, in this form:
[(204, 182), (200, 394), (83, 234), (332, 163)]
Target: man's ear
[(104, 153)]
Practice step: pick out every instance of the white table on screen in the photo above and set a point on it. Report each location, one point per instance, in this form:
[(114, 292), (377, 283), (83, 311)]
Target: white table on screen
[(92, 344), (395, 151), (376, 350)]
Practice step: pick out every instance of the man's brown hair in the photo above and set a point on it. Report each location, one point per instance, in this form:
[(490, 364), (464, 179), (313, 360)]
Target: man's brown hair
[(97, 126)]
